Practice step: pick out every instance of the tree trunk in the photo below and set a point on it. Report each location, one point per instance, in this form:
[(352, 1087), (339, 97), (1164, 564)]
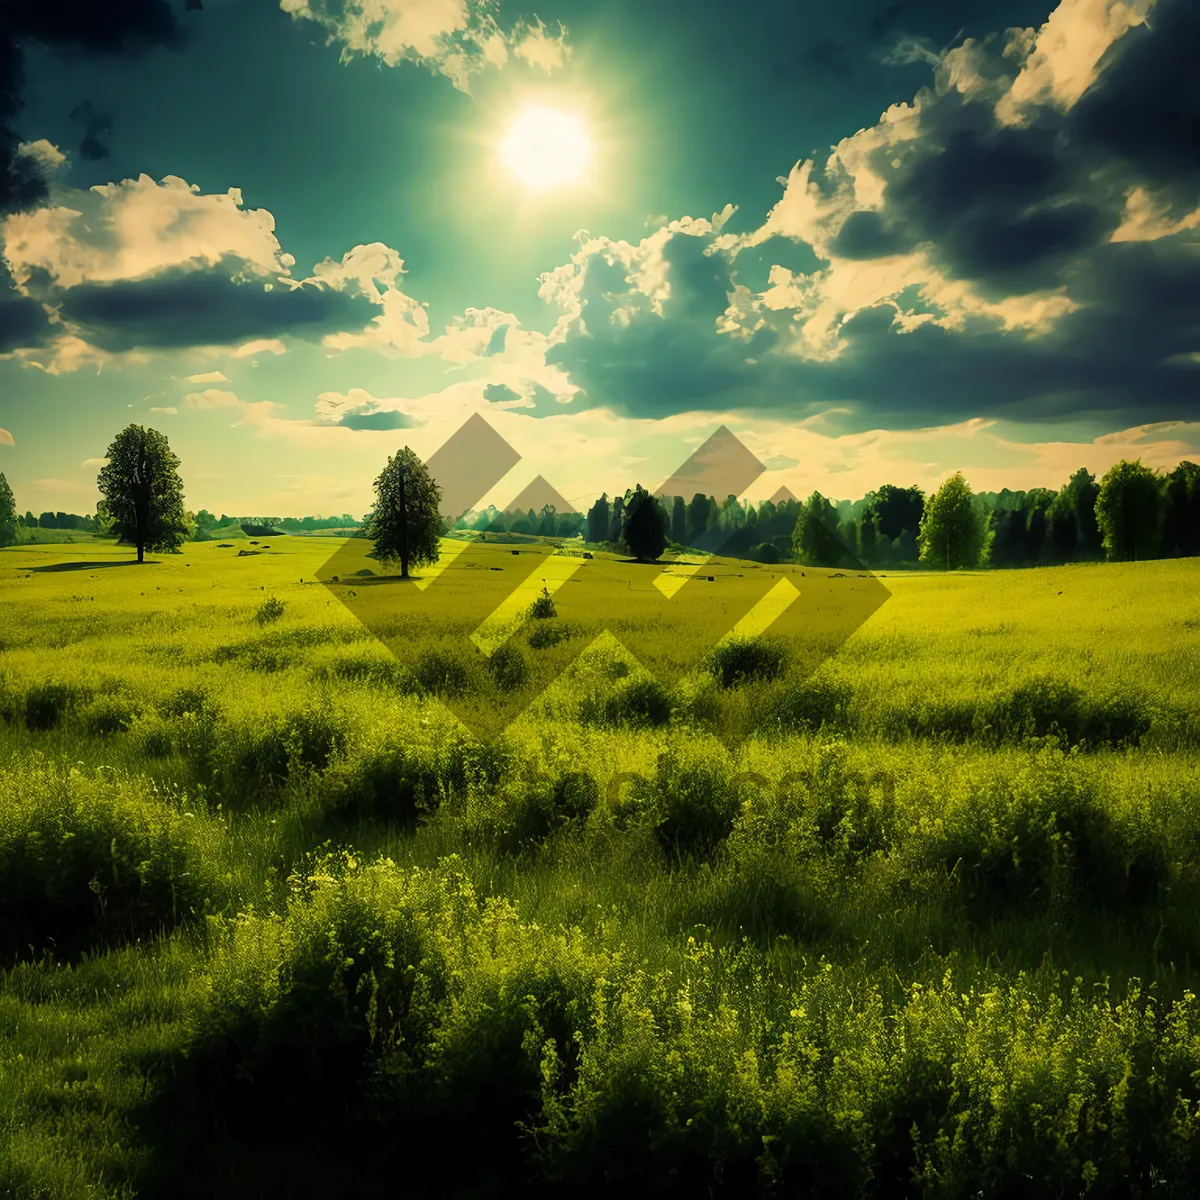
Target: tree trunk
[(141, 552)]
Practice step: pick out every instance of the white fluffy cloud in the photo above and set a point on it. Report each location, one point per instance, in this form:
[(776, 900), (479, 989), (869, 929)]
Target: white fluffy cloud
[(455, 38), (138, 227), (211, 398)]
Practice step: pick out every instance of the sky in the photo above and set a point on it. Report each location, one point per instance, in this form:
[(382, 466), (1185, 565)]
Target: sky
[(881, 243)]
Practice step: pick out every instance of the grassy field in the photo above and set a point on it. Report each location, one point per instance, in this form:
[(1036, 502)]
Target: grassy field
[(912, 910)]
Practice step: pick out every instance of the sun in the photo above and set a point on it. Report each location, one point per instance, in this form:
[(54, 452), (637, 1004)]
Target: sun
[(547, 148)]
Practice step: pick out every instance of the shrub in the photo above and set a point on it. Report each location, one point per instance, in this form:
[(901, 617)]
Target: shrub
[(638, 703), (109, 714), (185, 700), (85, 858), (269, 611), (509, 669), (442, 673), (543, 607), (814, 703), (261, 750), (1038, 708), (45, 704), (694, 798), (545, 637), (742, 660)]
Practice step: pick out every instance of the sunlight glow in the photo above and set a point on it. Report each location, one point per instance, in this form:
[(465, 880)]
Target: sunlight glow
[(547, 148)]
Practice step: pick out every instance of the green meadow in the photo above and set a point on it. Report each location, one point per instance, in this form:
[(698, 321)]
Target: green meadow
[(909, 907)]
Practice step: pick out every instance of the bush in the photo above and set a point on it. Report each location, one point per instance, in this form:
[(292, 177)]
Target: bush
[(635, 703), (694, 799), (543, 607), (85, 858), (815, 703), (110, 714), (509, 669), (743, 660), (45, 704), (269, 611), (442, 673), (262, 750), (545, 637)]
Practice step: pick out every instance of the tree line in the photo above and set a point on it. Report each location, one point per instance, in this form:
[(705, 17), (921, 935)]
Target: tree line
[(1132, 513)]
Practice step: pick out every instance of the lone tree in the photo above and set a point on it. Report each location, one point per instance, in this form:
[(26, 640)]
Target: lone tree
[(8, 514), (1130, 511), (644, 525), (406, 523), (142, 493), (954, 530)]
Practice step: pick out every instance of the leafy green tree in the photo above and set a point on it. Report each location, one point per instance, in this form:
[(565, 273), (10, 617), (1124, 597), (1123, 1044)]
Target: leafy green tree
[(1130, 510), (1181, 529), (954, 530), (8, 514), (406, 524), (143, 493), (1074, 513), (896, 509), (815, 540), (644, 528)]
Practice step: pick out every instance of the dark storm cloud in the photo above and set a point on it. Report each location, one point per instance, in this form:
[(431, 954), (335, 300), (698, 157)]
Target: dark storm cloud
[(497, 393), (23, 321), (381, 420), (114, 27), (1145, 107), (1011, 209), (206, 307)]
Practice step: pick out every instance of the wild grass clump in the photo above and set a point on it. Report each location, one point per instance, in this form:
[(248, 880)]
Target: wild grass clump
[(86, 857), (270, 610), (444, 673), (44, 705), (110, 714), (367, 666), (1032, 835), (250, 752), (820, 702), (544, 636), (640, 702), (745, 660)]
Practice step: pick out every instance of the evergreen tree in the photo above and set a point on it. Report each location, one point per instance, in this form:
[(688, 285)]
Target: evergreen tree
[(406, 524), (143, 493), (954, 529)]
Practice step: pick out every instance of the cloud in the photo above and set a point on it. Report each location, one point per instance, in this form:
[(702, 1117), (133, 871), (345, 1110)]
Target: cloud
[(208, 377), (211, 398), (359, 410), (976, 253), (6, 438), (124, 29), (455, 38), (497, 393), (259, 346), (94, 463), (169, 411)]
